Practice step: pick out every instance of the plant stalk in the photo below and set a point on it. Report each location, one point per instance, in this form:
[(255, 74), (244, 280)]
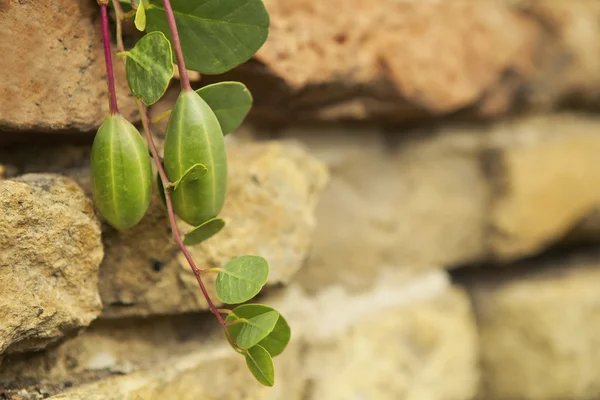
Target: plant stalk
[(183, 75), (119, 12), (176, 233), (110, 75), (171, 213)]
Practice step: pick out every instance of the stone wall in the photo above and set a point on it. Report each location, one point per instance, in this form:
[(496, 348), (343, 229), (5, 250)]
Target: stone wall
[(422, 177)]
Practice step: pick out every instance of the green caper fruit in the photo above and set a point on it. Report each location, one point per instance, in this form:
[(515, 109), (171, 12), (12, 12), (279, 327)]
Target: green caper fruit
[(194, 136), (121, 173)]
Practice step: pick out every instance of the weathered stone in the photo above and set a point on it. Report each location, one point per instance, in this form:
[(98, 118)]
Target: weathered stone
[(568, 61), (427, 350), (443, 197), (545, 177), (180, 357), (50, 252), (211, 375), (272, 194), (54, 78), (187, 357), (448, 197), (269, 211), (408, 60), (383, 60), (404, 208), (539, 324), (348, 355), (586, 231)]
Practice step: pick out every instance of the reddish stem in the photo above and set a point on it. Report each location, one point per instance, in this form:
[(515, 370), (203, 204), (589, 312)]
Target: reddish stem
[(176, 233), (112, 93), (183, 75), (173, 221)]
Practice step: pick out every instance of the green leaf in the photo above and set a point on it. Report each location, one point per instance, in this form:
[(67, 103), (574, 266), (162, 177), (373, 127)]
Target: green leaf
[(261, 321), (203, 232), (216, 35), (275, 342), (193, 173), (150, 67), (241, 279), (259, 362), (140, 17), (278, 339), (256, 329), (230, 101)]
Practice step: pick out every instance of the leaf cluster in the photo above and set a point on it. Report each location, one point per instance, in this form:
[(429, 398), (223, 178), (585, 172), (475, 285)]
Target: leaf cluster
[(215, 36)]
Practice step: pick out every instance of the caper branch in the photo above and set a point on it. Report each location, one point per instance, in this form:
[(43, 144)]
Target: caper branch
[(185, 83), (192, 173)]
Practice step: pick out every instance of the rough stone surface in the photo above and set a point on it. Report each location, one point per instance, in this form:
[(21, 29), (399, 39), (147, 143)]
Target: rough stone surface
[(546, 181), (180, 357), (568, 61), (586, 231), (427, 351), (449, 196), (409, 60), (411, 202), (424, 348), (405, 208), (272, 193), (211, 375), (539, 325), (55, 77), (382, 60), (50, 252)]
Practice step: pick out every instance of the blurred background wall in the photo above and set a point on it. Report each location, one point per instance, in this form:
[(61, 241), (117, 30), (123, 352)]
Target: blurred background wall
[(423, 176)]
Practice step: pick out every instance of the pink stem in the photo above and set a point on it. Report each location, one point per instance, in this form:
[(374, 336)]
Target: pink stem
[(112, 93), (183, 75), (176, 233)]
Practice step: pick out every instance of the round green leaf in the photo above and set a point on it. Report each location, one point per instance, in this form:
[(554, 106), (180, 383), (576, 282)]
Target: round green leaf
[(230, 101), (216, 35), (149, 67), (241, 279), (203, 232), (260, 364), (255, 329), (278, 339), (261, 321)]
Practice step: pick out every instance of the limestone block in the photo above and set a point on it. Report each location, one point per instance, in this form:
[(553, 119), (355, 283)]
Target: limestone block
[(50, 253)]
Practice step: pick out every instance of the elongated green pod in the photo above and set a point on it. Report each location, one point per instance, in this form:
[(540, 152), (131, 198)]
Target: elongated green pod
[(121, 173), (194, 136)]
